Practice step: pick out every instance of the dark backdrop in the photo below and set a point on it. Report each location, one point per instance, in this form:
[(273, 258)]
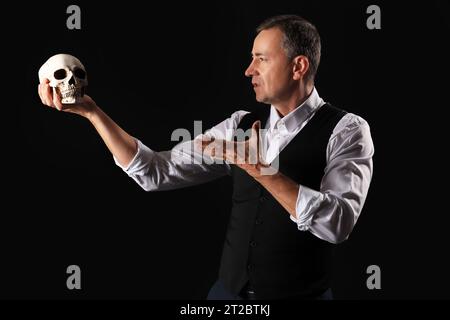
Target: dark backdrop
[(157, 68)]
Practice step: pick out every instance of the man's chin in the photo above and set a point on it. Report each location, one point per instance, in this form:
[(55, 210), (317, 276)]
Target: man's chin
[(262, 99)]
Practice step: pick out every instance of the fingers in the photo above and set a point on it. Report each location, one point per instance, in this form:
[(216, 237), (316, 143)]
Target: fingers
[(214, 148), (255, 130), (57, 101), (202, 144), (41, 93), (233, 152), (202, 141), (254, 142), (45, 93), (256, 125), (230, 151), (48, 96)]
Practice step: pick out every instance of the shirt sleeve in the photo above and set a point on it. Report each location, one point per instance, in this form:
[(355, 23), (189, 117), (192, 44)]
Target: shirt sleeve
[(331, 212), (182, 166)]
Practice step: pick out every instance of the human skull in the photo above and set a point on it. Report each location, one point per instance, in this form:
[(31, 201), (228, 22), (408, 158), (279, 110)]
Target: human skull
[(67, 76)]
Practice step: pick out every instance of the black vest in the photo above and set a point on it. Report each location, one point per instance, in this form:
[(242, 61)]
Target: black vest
[(263, 245)]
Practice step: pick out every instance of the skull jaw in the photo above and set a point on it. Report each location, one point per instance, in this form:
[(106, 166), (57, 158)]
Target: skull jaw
[(71, 100), (70, 96)]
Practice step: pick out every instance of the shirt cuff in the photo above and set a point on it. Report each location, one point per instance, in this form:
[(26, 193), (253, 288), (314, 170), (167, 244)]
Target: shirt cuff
[(134, 162), (308, 201)]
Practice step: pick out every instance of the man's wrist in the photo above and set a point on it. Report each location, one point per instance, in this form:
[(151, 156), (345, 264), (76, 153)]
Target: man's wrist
[(92, 114), (264, 178)]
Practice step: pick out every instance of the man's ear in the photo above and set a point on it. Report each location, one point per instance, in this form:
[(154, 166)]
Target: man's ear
[(300, 67)]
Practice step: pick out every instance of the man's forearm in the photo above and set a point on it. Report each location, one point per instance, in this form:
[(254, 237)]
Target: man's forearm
[(120, 143), (283, 189)]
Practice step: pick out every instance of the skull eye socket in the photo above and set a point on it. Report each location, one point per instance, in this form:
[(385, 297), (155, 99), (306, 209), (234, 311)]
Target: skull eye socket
[(79, 73), (60, 74)]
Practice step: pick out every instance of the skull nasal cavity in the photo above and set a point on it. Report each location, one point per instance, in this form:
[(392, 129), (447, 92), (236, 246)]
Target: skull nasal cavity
[(72, 80)]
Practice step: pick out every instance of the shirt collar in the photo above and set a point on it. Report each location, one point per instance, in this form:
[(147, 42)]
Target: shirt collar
[(296, 117)]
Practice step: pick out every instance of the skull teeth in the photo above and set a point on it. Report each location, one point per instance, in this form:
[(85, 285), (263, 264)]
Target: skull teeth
[(71, 93)]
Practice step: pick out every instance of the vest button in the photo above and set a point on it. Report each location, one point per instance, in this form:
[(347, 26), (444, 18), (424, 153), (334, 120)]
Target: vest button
[(253, 244), (258, 221), (262, 199), (249, 266)]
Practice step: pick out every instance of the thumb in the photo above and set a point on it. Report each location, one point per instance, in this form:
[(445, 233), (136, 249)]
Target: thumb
[(256, 125), (255, 129)]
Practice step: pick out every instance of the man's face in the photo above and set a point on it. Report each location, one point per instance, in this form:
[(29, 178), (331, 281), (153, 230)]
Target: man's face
[(271, 70)]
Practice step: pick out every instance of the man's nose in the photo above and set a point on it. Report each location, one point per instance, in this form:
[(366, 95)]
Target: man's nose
[(250, 70)]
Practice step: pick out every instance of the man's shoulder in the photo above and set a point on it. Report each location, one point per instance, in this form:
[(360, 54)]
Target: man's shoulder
[(351, 122)]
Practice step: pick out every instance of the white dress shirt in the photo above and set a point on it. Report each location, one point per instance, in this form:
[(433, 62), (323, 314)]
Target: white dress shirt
[(329, 213)]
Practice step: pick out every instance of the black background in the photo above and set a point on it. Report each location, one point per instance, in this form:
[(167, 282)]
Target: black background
[(154, 68)]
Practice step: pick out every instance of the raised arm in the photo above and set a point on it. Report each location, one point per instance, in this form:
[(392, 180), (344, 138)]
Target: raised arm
[(152, 170), (120, 143)]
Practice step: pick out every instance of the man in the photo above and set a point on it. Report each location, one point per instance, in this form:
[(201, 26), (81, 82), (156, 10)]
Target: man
[(298, 186)]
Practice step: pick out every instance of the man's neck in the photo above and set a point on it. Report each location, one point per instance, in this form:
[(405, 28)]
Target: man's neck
[(294, 101)]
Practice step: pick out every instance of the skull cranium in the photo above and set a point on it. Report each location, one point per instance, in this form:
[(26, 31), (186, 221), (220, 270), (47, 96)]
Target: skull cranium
[(67, 76)]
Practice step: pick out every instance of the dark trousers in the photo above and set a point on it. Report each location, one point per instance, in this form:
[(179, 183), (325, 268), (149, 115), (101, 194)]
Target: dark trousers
[(219, 292)]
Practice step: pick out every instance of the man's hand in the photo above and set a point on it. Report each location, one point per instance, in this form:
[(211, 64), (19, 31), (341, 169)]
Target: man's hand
[(245, 154), (46, 93)]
